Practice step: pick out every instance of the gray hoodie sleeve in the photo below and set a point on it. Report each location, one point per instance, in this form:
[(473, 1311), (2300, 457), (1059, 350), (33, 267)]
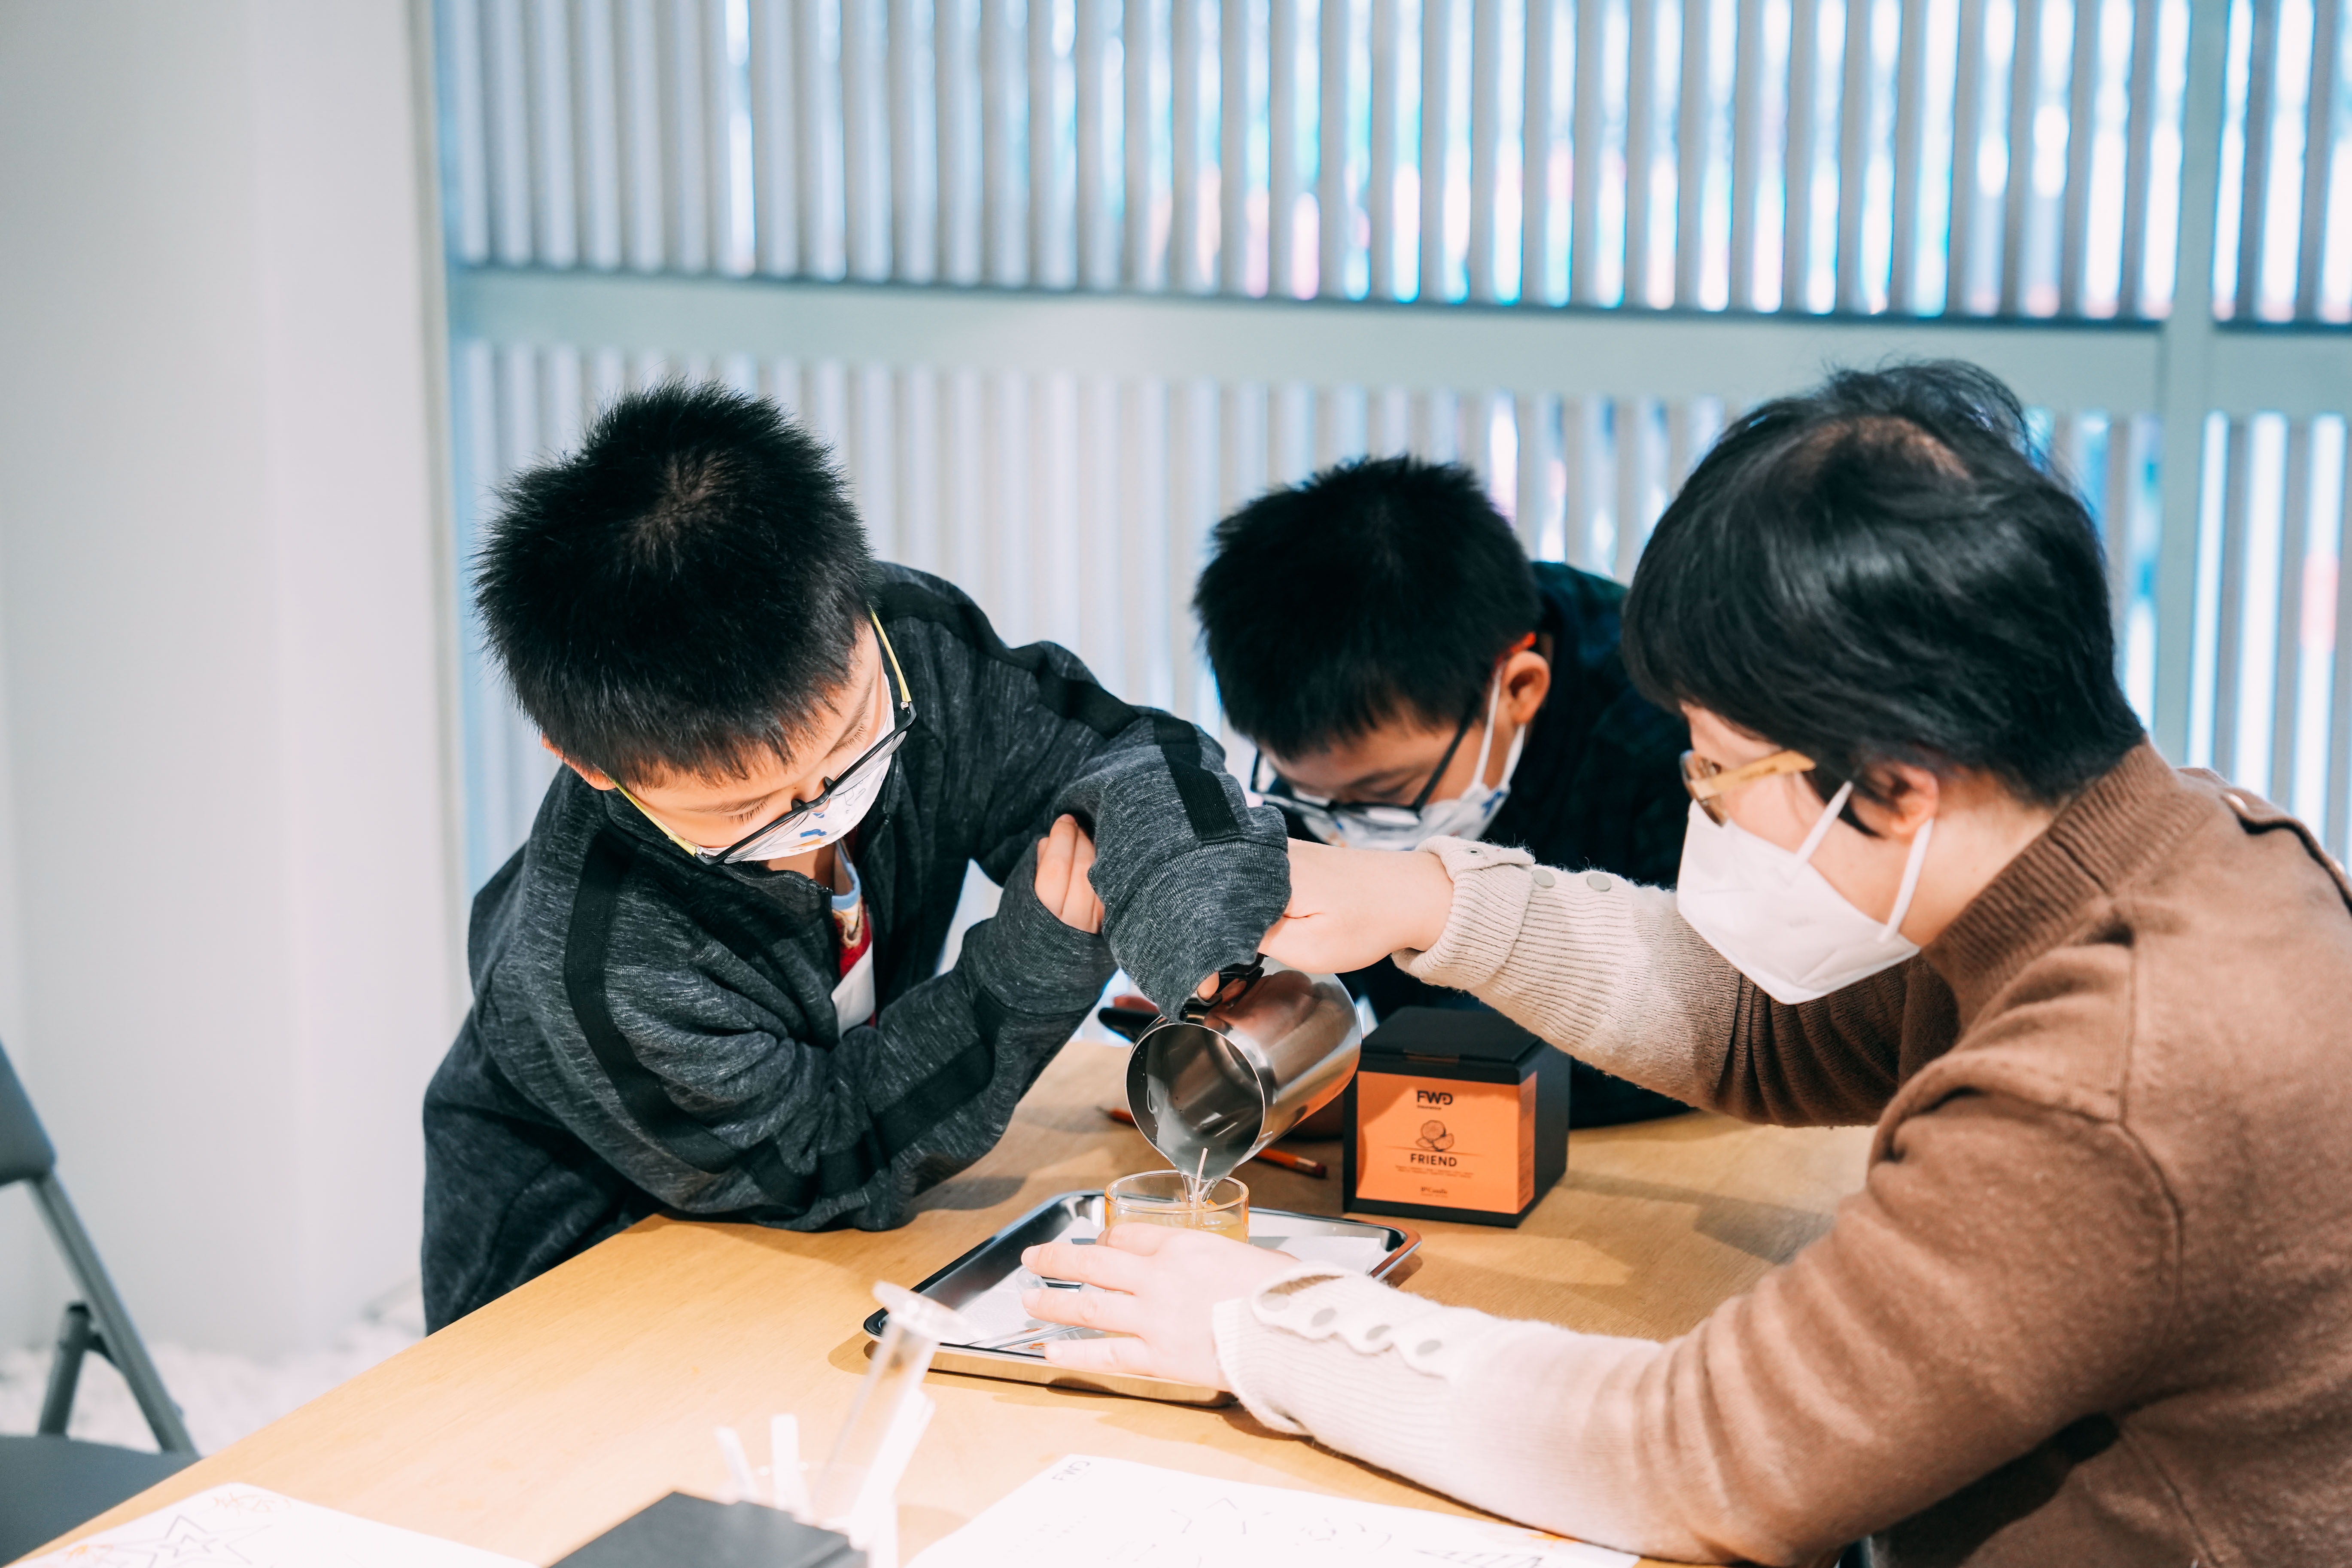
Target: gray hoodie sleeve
[(706, 1085), (1190, 875)]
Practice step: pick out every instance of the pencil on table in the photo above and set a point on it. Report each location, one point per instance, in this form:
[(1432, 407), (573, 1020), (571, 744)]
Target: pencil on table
[(1282, 1157), (1290, 1162)]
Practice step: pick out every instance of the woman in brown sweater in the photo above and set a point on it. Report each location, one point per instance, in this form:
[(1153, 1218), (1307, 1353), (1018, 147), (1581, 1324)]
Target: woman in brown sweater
[(2094, 1304)]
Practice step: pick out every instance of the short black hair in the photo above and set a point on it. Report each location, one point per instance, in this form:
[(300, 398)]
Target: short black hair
[(681, 595), (1880, 571), (1376, 590)]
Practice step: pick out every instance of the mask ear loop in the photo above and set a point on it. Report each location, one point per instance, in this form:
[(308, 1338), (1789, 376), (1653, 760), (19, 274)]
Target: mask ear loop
[(1829, 816), (1494, 712), (1511, 757), (1486, 740), (1917, 857)]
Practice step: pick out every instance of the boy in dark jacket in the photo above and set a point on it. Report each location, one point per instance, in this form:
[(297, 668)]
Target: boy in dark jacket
[(706, 984), (1405, 672)]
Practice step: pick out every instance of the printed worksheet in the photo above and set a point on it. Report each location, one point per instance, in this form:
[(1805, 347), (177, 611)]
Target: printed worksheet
[(1089, 1513), (244, 1526)]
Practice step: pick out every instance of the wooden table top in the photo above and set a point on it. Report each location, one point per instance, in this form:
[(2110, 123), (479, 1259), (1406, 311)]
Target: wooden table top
[(552, 1413)]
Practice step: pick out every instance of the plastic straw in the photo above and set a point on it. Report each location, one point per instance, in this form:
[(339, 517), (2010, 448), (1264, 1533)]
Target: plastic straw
[(789, 1485), (738, 1464)]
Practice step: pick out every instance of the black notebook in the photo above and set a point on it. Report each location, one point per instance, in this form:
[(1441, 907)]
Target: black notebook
[(682, 1532)]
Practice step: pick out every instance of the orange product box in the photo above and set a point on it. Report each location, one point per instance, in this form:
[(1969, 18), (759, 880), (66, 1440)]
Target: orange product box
[(1454, 1114)]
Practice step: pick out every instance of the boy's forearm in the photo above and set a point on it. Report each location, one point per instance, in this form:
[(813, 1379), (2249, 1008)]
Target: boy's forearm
[(955, 1055), (1027, 960), (1190, 875), (778, 1129), (1202, 912)]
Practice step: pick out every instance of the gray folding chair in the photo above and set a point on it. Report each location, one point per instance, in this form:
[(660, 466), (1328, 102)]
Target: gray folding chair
[(50, 1482)]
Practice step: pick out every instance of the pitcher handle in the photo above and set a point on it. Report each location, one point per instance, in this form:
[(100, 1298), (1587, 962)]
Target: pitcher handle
[(1233, 982)]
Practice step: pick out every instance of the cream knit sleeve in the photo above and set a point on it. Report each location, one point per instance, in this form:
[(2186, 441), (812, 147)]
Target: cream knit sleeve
[(1601, 967), (1955, 1318), (1471, 1405)]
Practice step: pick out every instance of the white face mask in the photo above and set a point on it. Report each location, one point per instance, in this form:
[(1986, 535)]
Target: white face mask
[(1776, 919), (844, 804), (845, 808), (1466, 816)]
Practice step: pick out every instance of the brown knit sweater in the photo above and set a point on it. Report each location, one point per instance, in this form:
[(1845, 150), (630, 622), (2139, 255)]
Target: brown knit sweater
[(2092, 1306)]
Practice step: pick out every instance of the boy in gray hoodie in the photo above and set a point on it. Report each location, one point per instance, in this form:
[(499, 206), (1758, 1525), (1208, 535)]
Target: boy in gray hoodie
[(706, 985)]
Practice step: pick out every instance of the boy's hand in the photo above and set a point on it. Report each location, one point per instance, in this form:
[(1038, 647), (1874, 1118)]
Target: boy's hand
[(1154, 1283), (1350, 908), (1065, 855)]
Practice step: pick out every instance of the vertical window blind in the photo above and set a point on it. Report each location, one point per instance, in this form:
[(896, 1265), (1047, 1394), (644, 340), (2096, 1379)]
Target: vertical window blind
[(2012, 174)]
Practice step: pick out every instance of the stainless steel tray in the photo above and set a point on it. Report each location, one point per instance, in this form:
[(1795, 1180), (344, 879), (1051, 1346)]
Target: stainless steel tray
[(968, 1283)]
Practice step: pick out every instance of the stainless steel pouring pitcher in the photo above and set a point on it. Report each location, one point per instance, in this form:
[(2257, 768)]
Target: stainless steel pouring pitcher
[(1230, 1074)]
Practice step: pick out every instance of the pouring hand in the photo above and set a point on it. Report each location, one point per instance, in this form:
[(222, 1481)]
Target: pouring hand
[(1156, 1284), (1065, 855), (1350, 908)]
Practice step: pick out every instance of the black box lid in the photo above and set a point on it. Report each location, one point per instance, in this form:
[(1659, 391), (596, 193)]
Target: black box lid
[(1438, 1035), (681, 1530)]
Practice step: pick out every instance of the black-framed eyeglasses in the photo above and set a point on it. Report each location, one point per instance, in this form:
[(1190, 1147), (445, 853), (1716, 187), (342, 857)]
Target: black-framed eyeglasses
[(774, 840), (1322, 816)]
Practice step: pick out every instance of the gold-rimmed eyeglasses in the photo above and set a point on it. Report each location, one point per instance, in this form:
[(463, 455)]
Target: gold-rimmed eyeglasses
[(1709, 780)]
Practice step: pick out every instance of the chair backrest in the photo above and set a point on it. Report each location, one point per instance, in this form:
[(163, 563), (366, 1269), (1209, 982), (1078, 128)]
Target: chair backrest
[(25, 1148), (26, 1155)]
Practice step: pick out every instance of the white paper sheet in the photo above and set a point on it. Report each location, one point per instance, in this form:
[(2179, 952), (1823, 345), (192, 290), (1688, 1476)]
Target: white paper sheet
[(245, 1527), (1088, 1513)]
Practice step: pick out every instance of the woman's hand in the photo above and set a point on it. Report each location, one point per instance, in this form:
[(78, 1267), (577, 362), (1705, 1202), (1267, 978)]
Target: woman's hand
[(1065, 855), (1350, 908), (1157, 1284)]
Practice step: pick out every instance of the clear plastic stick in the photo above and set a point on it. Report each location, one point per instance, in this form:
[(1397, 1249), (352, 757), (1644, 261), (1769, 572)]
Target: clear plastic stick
[(891, 1399), (738, 1465), (785, 1476)]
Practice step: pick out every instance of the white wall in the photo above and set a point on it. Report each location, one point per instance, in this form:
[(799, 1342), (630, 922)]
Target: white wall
[(229, 946)]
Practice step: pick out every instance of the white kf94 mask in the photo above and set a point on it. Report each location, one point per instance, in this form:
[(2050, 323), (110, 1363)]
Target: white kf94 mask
[(1776, 919), (1465, 816)]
